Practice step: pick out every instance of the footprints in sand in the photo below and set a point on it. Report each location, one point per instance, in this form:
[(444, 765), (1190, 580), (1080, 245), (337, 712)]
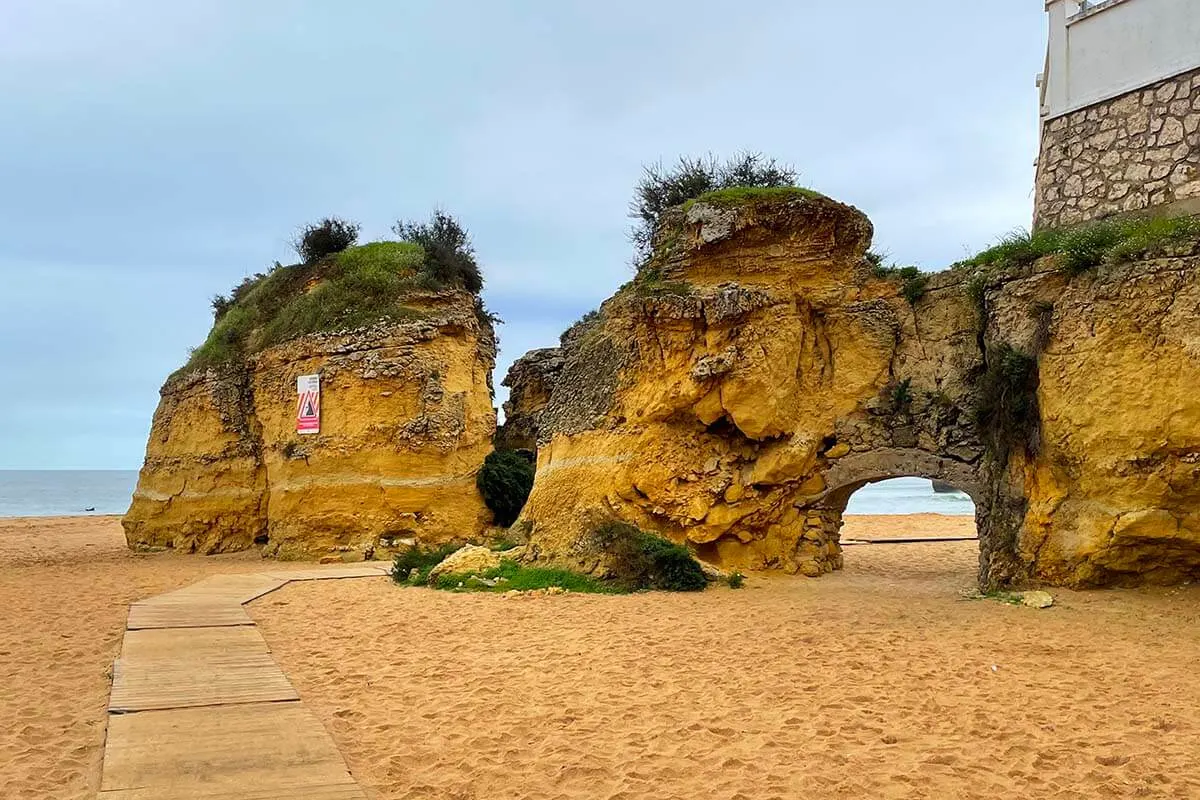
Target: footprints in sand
[(833, 689)]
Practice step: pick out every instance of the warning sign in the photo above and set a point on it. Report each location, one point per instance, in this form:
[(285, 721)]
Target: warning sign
[(308, 409)]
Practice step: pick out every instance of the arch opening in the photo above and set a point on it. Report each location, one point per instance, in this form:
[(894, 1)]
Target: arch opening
[(909, 527)]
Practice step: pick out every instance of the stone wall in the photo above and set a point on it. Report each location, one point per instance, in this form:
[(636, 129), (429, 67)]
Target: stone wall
[(1136, 152)]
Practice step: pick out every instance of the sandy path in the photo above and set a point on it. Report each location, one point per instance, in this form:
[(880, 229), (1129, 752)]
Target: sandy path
[(906, 526), (876, 682), (65, 588)]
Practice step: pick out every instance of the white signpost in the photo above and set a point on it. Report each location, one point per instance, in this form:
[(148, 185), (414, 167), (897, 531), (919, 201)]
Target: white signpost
[(308, 408)]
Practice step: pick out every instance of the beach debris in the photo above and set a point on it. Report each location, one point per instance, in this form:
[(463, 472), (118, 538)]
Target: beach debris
[(467, 560), (1037, 599)]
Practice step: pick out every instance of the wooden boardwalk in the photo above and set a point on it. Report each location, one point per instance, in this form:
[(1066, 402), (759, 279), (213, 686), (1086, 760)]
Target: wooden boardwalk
[(199, 708)]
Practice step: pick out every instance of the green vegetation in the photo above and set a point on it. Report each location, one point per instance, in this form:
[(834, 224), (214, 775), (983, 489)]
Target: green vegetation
[(976, 289), (511, 576), (736, 580), (902, 395), (504, 481), (421, 559), (1081, 248), (913, 281), (641, 560), (330, 235), (750, 195), (352, 289), (662, 188), (1000, 596), (1007, 413), (449, 256), (581, 326), (650, 283), (339, 287)]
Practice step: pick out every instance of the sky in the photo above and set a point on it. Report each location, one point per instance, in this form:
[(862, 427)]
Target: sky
[(153, 153)]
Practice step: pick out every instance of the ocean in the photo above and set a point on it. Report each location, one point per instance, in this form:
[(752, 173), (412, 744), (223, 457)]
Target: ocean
[(908, 496), (44, 493), (54, 492)]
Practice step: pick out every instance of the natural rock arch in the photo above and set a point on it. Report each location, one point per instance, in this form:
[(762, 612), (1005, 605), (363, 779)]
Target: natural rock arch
[(759, 367)]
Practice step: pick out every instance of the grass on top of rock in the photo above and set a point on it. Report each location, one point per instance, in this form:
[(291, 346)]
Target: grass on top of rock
[(753, 195), (354, 288), (347, 289), (662, 188), (1080, 248)]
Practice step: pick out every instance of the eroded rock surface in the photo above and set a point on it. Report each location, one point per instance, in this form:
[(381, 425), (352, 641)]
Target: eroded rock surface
[(406, 421), (758, 371), (531, 380)]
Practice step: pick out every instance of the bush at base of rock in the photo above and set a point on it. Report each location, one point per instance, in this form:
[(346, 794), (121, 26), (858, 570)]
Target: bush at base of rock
[(641, 560), (505, 481), (414, 564)]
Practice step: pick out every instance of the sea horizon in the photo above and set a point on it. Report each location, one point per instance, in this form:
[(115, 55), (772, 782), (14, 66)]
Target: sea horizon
[(62, 492)]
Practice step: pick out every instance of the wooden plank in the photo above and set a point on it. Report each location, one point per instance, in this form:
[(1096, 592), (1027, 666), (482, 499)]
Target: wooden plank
[(226, 588), (186, 614), (249, 752), (176, 643), (368, 569), (185, 668), (345, 791)]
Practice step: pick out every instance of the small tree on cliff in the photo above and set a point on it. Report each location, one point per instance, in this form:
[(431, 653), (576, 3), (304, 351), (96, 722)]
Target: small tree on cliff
[(449, 256), (330, 235), (505, 481), (662, 188)]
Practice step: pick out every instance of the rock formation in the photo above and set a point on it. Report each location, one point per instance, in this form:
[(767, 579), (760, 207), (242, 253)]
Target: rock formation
[(406, 420), (530, 379), (759, 370)]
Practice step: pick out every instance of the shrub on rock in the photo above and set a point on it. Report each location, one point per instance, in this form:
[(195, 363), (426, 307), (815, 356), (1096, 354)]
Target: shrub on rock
[(330, 235), (505, 481), (449, 255)]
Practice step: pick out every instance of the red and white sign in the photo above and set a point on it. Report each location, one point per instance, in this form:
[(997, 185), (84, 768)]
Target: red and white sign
[(308, 409)]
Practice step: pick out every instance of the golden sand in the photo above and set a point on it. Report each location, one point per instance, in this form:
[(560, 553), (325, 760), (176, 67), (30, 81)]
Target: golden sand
[(879, 681)]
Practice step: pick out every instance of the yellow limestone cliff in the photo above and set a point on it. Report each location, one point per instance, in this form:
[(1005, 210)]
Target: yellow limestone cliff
[(759, 370), (406, 420)]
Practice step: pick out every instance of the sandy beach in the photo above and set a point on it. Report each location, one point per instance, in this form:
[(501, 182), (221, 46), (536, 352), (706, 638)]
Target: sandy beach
[(65, 588), (879, 681)]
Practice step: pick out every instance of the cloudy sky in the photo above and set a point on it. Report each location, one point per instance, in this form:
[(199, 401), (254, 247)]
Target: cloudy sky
[(152, 153)]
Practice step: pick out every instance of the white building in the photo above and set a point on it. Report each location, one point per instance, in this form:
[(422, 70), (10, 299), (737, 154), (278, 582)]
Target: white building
[(1120, 110)]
